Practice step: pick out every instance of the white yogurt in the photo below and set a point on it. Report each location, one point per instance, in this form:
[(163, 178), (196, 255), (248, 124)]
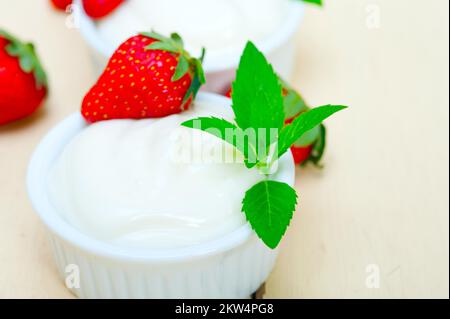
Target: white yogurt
[(124, 182), (219, 25)]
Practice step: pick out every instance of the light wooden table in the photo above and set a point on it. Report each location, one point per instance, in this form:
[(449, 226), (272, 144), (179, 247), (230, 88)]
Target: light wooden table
[(382, 202)]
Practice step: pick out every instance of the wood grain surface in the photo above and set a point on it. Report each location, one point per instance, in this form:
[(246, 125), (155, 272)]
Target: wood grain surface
[(381, 204)]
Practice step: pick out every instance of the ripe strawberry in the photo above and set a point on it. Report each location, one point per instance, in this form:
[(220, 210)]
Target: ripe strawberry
[(148, 76), (301, 154), (23, 83), (61, 4), (228, 94), (98, 9)]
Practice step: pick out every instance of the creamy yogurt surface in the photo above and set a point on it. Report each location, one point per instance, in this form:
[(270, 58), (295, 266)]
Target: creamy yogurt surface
[(149, 183), (217, 25)]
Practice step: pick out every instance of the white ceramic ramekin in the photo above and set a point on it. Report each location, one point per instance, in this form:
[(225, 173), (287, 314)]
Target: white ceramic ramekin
[(279, 49), (233, 266)]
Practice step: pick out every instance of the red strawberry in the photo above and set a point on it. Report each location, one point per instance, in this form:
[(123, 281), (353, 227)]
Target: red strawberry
[(148, 76), (61, 4), (228, 94), (100, 8), (23, 83), (301, 154)]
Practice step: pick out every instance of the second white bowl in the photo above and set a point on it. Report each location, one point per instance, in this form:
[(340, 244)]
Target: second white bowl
[(280, 49)]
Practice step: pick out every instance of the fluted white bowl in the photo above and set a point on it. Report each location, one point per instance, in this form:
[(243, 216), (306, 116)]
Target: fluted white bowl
[(279, 49), (233, 266)]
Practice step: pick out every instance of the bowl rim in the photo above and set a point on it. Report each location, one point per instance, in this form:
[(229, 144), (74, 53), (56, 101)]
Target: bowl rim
[(230, 60), (50, 148)]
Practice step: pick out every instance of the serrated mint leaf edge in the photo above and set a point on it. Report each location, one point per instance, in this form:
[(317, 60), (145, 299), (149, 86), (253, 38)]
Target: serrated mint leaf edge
[(249, 113), (208, 123), (271, 238), (304, 123)]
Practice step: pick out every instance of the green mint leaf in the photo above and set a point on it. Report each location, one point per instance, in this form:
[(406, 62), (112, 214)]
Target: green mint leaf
[(302, 124), (226, 131), (317, 2), (258, 101), (257, 98), (212, 125), (182, 68), (269, 207)]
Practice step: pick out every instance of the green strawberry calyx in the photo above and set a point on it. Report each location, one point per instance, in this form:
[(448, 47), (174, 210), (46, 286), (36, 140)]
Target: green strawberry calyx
[(28, 59), (186, 63), (293, 102)]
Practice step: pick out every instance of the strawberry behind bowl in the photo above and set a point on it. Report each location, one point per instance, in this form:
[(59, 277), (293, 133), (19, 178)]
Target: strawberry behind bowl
[(148, 76), (23, 82), (98, 9), (61, 5)]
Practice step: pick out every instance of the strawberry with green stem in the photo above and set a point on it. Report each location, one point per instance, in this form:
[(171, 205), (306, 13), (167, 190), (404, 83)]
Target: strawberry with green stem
[(148, 76), (23, 81)]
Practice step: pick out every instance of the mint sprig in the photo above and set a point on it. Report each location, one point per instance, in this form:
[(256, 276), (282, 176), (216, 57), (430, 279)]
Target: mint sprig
[(258, 106), (258, 102)]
